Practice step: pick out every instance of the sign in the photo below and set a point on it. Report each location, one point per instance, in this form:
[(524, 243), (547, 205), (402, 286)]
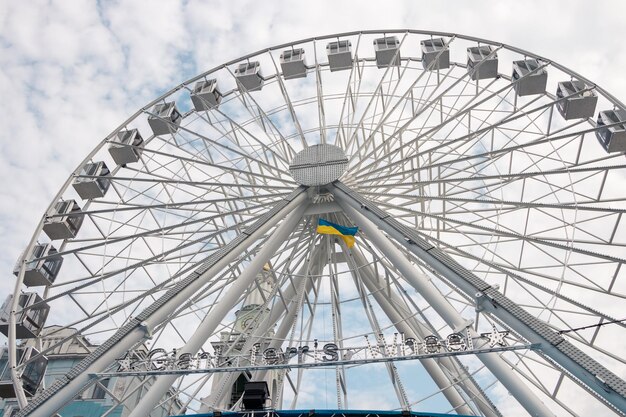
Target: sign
[(398, 347)]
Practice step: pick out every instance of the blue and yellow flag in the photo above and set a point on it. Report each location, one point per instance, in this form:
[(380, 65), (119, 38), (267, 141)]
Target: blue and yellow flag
[(325, 227)]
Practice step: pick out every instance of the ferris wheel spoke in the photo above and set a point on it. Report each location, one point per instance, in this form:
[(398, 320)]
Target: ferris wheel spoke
[(440, 152), (395, 143), (169, 229), (185, 174), (430, 102), (435, 157), (91, 281), (180, 205), (321, 112), (510, 117), (176, 140), (233, 170), (512, 234), (95, 320), (347, 117), (506, 180), (352, 140), (224, 148), (508, 270), (573, 335), (390, 110), (200, 184), (463, 203), (261, 118), (292, 111), (231, 130), (468, 107), (533, 379)]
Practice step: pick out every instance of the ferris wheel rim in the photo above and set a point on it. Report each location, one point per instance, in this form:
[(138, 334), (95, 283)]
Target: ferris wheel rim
[(145, 109)]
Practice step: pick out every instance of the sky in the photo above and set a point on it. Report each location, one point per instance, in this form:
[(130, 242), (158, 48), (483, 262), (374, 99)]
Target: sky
[(72, 71)]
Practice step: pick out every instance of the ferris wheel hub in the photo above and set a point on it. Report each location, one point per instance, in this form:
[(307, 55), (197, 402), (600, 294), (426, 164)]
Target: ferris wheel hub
[(318, 165)]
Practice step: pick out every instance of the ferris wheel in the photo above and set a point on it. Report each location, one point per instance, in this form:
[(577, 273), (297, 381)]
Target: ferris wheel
[(400, 220)]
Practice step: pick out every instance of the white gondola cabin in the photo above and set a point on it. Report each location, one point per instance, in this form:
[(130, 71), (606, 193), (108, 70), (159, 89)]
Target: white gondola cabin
[(126, 147), (93, 181), (249, 76), (205, 95), (339, 55), (32, 373), (387, 51), (30, 318), (577, 100), (482, 62), (529, 77), (63, 220), (292, 63), (435, 54), (612, 130), (42, 266), (165, 119)]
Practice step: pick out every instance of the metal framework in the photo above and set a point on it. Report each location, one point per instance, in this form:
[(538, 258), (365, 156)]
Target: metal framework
[(484, 202)]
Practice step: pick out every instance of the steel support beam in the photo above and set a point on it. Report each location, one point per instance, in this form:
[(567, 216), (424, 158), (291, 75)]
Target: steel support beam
[(395, 308), (219, 311), (216, 399), (436, 299), (65, 388), (588, 372)]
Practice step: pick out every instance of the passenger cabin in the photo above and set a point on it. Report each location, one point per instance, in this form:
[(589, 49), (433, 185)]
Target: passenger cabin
[(529, 77), (435, 54), (42, 266), (30, 318), (165, 119), (578, 101), (339, 55), (63, 221), (387, 51), (612, 138), (205, 95), (93, 181), (249, 76), (292, 63), (482, 62), (32, 374), (126, 147)]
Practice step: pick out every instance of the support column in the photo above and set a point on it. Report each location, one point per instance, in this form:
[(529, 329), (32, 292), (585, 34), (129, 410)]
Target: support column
[(584, 370), (217, 313), (392, 304), (228, 379), (67, 387), (427, 289)]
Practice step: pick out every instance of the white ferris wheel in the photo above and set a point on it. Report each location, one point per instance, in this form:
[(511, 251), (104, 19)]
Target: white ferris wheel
[(487, 276)]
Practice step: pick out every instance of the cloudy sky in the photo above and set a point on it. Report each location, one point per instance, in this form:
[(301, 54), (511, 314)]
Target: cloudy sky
[(71, 71)]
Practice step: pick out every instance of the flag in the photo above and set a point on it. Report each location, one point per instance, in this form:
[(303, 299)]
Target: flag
[(325, 227)]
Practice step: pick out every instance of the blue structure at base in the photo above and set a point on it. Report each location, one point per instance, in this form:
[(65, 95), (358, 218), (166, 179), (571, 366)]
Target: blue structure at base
[(326, 413)]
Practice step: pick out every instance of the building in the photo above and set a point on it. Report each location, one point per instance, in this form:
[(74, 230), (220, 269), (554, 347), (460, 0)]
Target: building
[(96, 400), (251, 332)]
